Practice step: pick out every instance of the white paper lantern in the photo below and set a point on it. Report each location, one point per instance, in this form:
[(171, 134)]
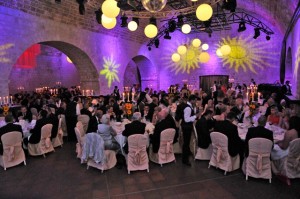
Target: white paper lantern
[(219, 53), (204, 12), (205, 47), (204, 57), (110, 8), (132, 26), (196, 43), (186, 28), (225, 50), (175, 57), (181, 49), (150, 31), (110, 25)]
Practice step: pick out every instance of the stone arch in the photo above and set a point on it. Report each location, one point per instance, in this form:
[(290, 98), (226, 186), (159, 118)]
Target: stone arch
[(289, 65), (85, 67), (146, 72)]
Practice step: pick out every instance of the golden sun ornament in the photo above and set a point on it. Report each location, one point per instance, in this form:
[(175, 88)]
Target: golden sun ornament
[(246, 54), (110, 70), (3, 49)]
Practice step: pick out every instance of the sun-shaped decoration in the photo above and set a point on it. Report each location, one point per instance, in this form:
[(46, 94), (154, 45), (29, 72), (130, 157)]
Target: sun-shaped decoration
[(187, 62), (297, 63), (2, 53), (110, 70), (246, 53)]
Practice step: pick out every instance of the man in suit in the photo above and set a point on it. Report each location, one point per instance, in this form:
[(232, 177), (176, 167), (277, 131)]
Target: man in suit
[(135, 127), (35, 136), (235, 144), (24, 114), (165, 121), (202, 127), (9, 127), (53, 119), (258, 132), (94, 120), (71, 119)]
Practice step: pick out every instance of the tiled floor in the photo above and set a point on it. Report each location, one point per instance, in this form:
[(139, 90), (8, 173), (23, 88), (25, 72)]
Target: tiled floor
[(61, 175)]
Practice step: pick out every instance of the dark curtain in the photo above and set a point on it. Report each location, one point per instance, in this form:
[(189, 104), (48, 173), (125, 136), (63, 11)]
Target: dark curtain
[(207, 82)]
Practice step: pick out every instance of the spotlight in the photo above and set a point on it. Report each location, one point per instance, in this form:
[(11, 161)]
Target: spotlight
[(98, 16), (209, 34), (152, 21), (167, 35), (229, 5), (242, 26), (124, 21), (180, 21), (207, 23), (149, 48), (57, 1), (268, 37), (256, 33), (172, 25), (156, 43)]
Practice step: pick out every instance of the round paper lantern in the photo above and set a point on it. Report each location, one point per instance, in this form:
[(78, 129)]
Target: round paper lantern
[(219, 53), (181, 49), (204, 57), (105, 19), (175, 57), (150, 31), (225, 50), (110, 8), (205, 47), (196, 43), (204, 12), (132, 26), (186, 28), (154, 5), (110, 25)]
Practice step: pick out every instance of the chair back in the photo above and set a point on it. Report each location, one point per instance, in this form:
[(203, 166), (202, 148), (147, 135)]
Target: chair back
[(80, 142), (220, 157), (84, 119), (13, 153), (63, 124), (293, 159), (93, 148), (46, 136), (199, 153), (58, 140), (258, 162), (165, 152), (137, 158), (79, 126)]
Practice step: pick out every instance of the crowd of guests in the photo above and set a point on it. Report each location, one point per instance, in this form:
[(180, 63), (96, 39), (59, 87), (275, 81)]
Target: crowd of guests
[(220, 110)]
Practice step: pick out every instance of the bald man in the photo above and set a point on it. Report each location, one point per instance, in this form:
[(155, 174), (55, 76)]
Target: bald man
[(165, 121)]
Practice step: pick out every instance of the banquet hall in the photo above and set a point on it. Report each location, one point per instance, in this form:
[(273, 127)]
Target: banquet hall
[(113, 58)]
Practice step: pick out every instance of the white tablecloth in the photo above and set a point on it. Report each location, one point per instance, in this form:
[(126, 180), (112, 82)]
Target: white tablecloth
[(278, 133), (26, 126)]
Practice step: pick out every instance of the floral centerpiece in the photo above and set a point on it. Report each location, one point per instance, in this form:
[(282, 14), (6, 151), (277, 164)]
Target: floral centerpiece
[(5, 110), (128, 110), (252, 112)]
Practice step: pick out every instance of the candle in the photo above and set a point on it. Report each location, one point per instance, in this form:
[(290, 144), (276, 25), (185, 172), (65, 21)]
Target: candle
[(0, 100), (7, 100), (82, 92), (11, 101), (92, 92), (128, 96), (51, 91), (123, 97), (132, 98)]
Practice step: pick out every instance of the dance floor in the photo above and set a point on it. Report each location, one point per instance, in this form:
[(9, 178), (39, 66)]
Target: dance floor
[(61, 175)]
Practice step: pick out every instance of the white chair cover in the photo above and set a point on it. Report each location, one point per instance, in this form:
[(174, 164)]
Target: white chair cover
[(45, 144), (58, 140), (63, 124), (13, 153), (84, 119), (137, 158), (80, 142), (93, 148), (165, 153), (289, 166), (79, 125), (201, 154), (258, 164), (220, 157)]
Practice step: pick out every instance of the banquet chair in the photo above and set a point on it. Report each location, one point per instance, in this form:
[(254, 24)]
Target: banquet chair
[(79, 125), (58, 140), (137, 158), (45, 144), (258, 163), (80, 142), (84, 119), (199, 153), (177, 147), (94, 154), (289, 167), (63, 125), (13, 153), (220, 156), (165, 153)]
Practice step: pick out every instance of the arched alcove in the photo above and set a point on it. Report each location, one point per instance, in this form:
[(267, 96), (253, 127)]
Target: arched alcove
[(49, 68)]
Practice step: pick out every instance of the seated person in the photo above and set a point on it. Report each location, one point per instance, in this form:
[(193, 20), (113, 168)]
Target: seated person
[(107, 133), (235, 144), (164, 121), (9, 127), (281, 148), (24, 114), (274, 118), (258, 132), (222, 115), (135, 127), (203, 127), (94, 120)]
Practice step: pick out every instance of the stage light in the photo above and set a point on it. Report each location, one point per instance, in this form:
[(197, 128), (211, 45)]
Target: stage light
[(133, 25), (156, 43), (124, 21), (268, 37), (172, 26), (180, 21), (167, 35), (256, 33), (242, 26), (98, 16), (229, 5)]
